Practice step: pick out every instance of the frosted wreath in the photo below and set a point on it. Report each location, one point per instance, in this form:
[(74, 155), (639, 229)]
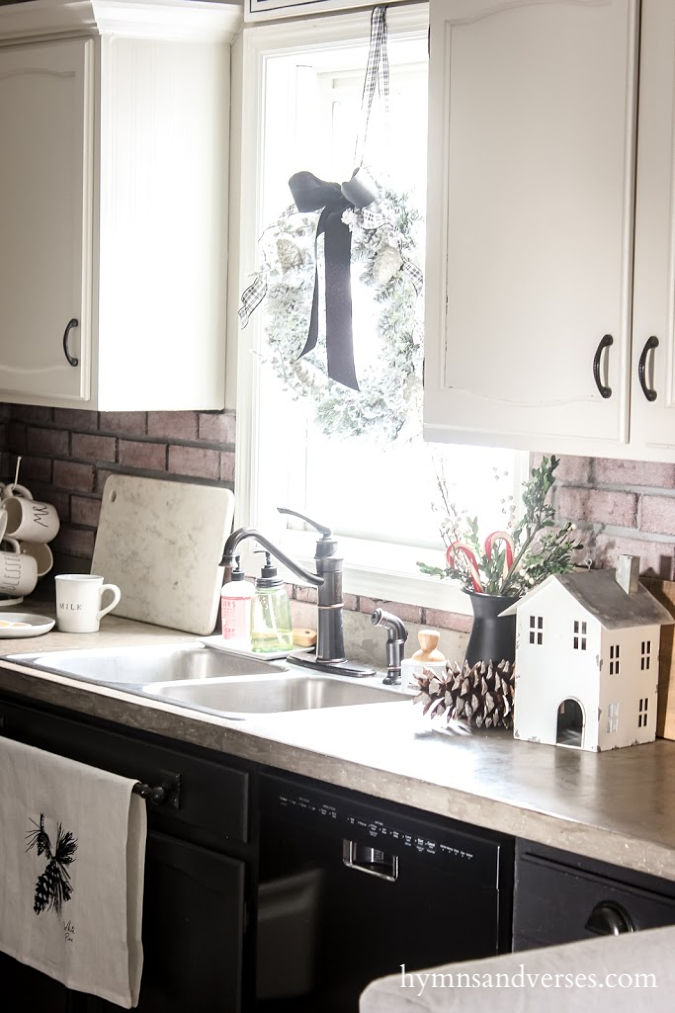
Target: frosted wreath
[(383, 257)]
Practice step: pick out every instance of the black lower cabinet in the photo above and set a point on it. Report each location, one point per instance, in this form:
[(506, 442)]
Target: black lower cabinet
[(195, 936), (193, 911), (561, 898), (192, 941), (24, 990)]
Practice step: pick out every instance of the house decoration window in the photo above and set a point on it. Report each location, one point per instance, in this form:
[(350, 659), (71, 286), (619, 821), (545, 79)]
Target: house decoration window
[(580, 630), (642, 713), (536, 629), (612, 718), (614, 660), (645, 655)]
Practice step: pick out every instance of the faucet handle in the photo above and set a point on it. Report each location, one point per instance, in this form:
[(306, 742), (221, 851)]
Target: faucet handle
[(326, 532)]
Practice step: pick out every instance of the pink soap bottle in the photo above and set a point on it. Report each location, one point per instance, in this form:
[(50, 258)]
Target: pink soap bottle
[(235, 610)]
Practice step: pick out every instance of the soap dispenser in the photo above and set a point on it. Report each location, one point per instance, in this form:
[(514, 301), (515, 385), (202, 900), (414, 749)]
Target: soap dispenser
[(236, 598), (271, 630)]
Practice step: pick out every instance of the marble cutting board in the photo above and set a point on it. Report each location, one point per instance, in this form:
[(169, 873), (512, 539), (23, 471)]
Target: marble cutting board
[(161, 543)]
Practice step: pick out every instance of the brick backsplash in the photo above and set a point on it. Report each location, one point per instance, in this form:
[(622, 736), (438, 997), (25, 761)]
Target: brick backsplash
[(67, 454), (619, 506)]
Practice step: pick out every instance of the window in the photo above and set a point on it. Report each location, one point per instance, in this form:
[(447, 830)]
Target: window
[(645, 655), (300, 109), (642, 713), (614, 660), (612, 718), (579, 640), (536, 629)]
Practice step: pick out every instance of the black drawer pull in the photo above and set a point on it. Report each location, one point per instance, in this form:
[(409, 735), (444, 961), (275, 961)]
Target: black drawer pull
[(72, 360), (605, 342), (166, 793), (648, 391), (609, 919)]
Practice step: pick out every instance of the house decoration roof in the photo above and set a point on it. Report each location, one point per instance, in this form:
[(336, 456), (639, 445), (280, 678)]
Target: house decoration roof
[(598, 592)]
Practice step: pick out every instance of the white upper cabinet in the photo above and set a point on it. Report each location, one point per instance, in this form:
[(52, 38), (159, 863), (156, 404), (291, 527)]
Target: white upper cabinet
[(45, 202), (653, 396), (530, 340), (114, 119)]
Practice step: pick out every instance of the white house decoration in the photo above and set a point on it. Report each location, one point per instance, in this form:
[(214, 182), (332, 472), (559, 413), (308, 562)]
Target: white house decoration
[(587, 660)]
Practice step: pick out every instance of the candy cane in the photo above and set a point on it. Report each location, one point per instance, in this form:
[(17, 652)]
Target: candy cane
[(500, 536), (459, 548)]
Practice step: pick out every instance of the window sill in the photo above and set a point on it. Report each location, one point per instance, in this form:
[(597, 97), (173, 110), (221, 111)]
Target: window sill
[(384, 571)]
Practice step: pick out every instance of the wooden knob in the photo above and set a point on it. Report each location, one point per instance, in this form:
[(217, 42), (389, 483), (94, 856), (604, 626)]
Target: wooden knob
[(428, 646)]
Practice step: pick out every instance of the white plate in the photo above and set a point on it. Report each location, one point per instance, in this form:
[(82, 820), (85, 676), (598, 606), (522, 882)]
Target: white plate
[(35, 625)]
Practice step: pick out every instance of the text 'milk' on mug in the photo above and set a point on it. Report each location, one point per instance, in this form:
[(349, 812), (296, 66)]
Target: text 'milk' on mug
[(79, 601)]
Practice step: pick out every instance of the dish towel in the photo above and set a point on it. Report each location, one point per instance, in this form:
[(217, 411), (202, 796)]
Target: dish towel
[(72, 850)]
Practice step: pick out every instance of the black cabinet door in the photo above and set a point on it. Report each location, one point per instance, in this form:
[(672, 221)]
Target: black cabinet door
[(193, 915), (193, 921), (25, 990)]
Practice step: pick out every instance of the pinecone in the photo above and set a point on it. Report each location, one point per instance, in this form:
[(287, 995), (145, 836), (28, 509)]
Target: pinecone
[(46, 887), (481, 696), (386, 264)]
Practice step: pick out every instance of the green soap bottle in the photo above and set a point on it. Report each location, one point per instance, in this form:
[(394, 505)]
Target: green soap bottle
[(271, 630)]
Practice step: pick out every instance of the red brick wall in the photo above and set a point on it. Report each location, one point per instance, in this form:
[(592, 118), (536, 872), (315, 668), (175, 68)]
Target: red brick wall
[(68, 454), (621, 506)]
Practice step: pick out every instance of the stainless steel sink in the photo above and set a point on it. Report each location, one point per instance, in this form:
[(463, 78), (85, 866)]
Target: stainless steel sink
[(197, 677), (272, 694), (141, 665)]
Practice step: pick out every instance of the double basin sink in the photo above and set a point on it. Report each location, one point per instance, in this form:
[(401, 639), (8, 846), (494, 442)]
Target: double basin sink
[(201, 678)]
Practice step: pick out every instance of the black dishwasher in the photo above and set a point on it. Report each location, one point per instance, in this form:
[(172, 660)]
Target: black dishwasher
[(352, 888)]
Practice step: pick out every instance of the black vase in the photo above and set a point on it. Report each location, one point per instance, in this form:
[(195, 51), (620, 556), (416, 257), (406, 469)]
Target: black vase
[(493, 637)]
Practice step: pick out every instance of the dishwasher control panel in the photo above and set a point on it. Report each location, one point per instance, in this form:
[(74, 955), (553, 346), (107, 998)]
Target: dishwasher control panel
[(383, 827)]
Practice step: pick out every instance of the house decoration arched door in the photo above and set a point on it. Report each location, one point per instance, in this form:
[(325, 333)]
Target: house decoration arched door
[(570, 727)]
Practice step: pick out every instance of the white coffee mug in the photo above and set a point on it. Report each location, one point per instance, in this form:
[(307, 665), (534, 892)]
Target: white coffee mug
[(41, 553), (18, 573), (14, 489), (78, 601), (30, 520)]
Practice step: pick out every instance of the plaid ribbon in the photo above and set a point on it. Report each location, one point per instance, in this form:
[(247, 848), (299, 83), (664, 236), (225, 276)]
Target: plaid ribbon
[(252, 296), (414, 273), (377, 77)]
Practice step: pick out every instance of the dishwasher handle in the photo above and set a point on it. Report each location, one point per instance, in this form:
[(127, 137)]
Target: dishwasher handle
[(363, 858)]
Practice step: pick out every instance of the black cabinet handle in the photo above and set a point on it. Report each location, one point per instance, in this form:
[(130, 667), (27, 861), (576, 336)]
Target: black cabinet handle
[(648, 391), (72, 361), (609, 919), (167, 793), (605, 342)]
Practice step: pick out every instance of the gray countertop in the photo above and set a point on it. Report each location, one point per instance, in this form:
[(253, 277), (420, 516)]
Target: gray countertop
[(616, 806)]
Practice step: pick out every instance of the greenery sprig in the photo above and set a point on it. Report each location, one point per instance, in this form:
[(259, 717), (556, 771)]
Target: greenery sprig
[(539, 547)]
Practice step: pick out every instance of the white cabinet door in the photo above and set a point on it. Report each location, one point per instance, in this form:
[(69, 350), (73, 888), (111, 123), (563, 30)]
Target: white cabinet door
[(45, 200), (653, 376), (530, 221)]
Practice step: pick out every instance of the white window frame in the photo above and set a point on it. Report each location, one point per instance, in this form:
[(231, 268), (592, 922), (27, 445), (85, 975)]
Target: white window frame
[(384, 571)]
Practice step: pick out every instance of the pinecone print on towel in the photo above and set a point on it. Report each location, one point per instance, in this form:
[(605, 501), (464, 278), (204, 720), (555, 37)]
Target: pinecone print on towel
[(53, 887)]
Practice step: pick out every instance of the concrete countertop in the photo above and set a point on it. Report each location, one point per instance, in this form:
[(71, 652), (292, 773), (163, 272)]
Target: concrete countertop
[(615, 806)]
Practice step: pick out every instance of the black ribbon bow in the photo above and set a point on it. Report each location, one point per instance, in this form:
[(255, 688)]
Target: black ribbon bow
[(312, 194)]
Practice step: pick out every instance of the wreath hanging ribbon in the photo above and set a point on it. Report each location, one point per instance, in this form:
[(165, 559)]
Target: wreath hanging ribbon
[(313, 194)]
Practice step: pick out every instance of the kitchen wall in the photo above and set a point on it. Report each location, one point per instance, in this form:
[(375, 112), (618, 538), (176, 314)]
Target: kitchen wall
[(68, 454), (619, 506)]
